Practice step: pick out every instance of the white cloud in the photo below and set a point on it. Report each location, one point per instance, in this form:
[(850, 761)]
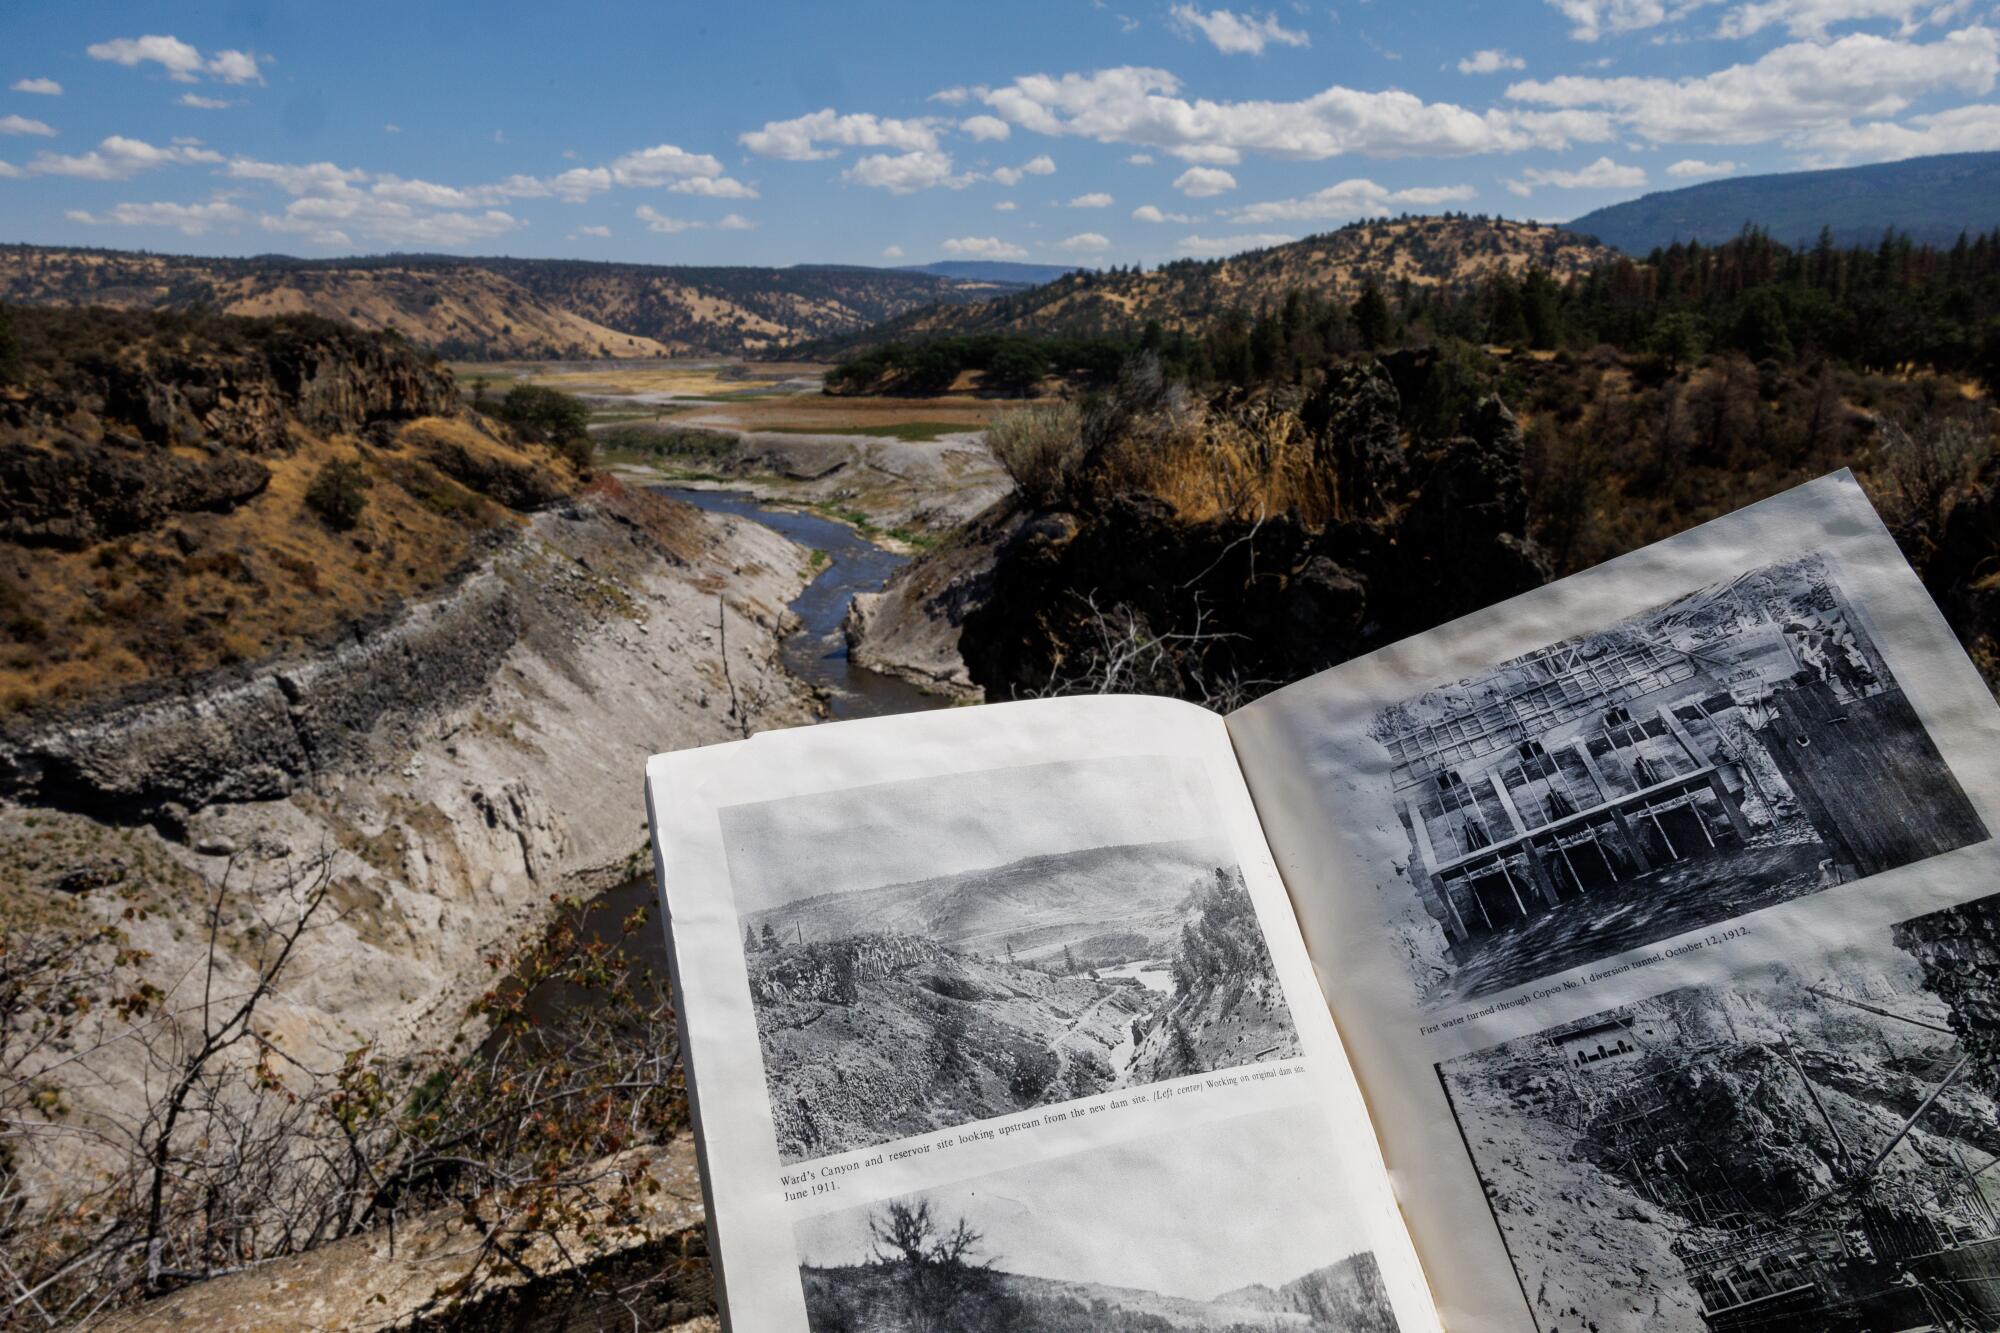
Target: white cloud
[(1234, 34), (200, 103), (235, 67), (23, 125), (1141, 159), (43, 87), (188, 219), (892, 252), (1812, 18), (1085, 242), (1139, 106), (597, 230), (1693, 168), (1603, 174), (182, 62), (666, 164), (1592, 19), (1040, 165), (8, 171), (1204, 182), (951, 96), (1005, 206), (982, 247), (660, 222), (734, 222), (1151, 213), (712, 187), (1348, 200), (1965, 129), (391, 127), (336, 221), (116, 158), (1229, 245), (1095, 199), (1788, 91), (985, 127), (798, 139), (1490, 62), (906, 173), (307, 178)]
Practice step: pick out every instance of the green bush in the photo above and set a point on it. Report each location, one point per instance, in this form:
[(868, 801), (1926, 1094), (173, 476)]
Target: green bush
[(548, 416), (338, 493)]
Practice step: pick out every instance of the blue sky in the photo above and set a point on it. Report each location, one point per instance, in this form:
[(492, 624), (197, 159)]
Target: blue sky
[(1071, 131)]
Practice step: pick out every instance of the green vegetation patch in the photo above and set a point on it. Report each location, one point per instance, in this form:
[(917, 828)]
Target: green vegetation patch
[(910, 432)]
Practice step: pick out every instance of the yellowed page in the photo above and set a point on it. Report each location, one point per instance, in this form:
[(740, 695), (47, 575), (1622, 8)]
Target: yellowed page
[(1626, 896), (1026, 969)]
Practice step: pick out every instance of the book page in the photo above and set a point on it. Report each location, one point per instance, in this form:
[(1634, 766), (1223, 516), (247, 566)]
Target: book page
[(998, 1018), (1654, 907)]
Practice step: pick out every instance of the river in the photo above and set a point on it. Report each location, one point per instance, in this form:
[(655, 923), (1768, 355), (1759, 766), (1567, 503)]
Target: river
[(816, 653)]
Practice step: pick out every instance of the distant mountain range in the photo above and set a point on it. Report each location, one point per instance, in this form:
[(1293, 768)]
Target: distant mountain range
[(1933, 199), (1035, 906), (482, 309), (1449, 251)]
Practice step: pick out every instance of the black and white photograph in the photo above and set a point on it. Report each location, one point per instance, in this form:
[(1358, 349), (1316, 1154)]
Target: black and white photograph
[(1737, 747), (928, 953), (1803, 1148), (1225, 1228)]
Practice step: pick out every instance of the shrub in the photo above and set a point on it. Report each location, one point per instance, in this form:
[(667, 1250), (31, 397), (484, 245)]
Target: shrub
[(549, 416), (1034, 1070), (1039, 446), (338, 493)]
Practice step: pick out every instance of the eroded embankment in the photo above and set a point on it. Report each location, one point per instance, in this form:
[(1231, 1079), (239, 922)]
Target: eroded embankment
[(458, 763)]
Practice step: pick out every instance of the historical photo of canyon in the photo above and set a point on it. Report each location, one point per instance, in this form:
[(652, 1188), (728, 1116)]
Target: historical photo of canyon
[(1224, 1228), (1795, 1151), (924, 954), (1737, 747)]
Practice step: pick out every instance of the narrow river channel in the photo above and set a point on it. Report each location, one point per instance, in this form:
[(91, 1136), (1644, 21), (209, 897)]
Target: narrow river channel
[(816, 653)]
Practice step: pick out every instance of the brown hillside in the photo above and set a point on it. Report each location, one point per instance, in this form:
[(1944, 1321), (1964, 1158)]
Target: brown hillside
[(499, 309), (155, 472), (1191, 294)]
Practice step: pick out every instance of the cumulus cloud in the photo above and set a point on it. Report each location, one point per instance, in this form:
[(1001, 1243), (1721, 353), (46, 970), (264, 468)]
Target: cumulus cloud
[(982, 247), (1592, 19), (985, 128), (1348, 200), (1603, 174), (1490, 62), (200, 103), (1812, 18), (1141, 159), (23, 125), (1040, 165), (951, 96), (679, 171), (1095, 199), (1965, 129), (892, 252), (906, 173), (1788, 91), (660, 222), (1694, 169), (1235, 34), (42, 87), (1204, 182), (1230, 245), (118, 158), (1141, 107), (1005, 206), (1152, 213), (1085, 242), (188, 219), (800, 139), (734, 222), (598, 230), (182, 62)]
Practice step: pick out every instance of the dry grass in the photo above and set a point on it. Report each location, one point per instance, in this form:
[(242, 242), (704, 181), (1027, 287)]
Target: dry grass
[(1247, 464), (206, 590)]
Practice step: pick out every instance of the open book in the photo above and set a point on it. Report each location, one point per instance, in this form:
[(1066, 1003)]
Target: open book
[(1623, 956)]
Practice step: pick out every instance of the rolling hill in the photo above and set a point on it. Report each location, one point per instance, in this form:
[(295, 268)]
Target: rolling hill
[(1449, 251), (1932, 199), (501, 308), (1106, 903)]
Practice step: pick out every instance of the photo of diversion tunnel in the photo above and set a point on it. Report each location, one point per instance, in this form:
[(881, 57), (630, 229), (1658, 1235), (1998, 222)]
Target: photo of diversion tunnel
[(1791, 1152), (1737, 747)]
